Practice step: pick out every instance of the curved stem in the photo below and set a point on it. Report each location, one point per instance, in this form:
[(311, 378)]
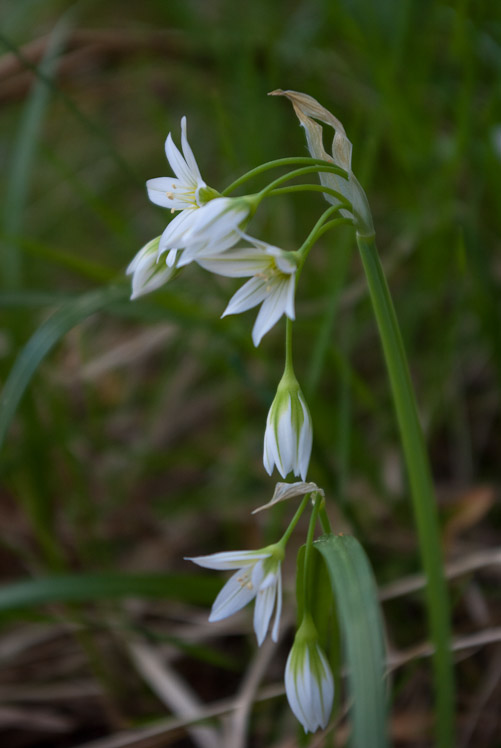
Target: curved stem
[(312, 237), (294, 160), (332, 224), (424, 504), (343, 202), (299, 173)]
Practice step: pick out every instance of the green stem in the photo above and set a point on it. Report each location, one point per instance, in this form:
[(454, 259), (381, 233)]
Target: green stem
[(324, 519), (343, 202), (289, 366), (312, 237), (302, 254), (332, 224), (292, 161), (299, 173), (309, 550), (285, 537), (425, 509)]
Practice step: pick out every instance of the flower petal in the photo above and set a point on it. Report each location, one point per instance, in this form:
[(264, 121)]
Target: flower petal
[(228, 559), (158, 190), (216, 219), (170, 192), (276, 623), (173, 236), (250, 294), (305, 440), (236, 593), (326, 694), (265, 603), (294, 689), (178, 163), (274, 306), (208, 245), (286, 440), (171, 257), (147, 273), (272, 454), (270, 451), (236, 263), (187, 152)]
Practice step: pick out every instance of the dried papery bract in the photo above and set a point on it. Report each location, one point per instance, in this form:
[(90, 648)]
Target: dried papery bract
[(308, 110), (286, 491)]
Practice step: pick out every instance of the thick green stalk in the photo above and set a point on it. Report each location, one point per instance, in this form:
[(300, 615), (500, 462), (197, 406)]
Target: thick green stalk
[(425, 509)]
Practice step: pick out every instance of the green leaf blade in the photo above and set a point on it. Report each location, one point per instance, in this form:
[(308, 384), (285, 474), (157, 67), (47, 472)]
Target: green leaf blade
[(360, 619), (44, 339), (105, 586)]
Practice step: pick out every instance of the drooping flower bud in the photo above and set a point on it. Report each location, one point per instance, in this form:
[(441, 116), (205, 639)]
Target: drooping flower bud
[(288, 437), (148, 271), (309, 683)]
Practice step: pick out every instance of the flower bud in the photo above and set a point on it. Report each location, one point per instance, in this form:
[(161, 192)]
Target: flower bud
[(288, 436), (148, 271), (309, 683)]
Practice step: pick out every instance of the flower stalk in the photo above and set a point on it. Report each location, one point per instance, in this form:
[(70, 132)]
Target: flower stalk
[(278, 162)]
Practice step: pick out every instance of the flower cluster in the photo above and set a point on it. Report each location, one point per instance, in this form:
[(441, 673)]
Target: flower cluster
[(210, 229), (206, 230), (309, 683)]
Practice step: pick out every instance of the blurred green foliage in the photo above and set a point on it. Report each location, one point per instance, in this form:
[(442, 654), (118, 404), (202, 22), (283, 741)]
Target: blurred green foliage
[(144, 425), (414, 85)]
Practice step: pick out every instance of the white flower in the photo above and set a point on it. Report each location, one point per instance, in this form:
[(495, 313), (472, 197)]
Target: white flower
[(289, 435), (185, 191), (258, 576), (272, 284), (148, 272), (309, 684), (206, 218), (209, 230)]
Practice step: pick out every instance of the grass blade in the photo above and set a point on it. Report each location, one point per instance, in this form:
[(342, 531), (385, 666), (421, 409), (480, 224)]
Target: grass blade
[(361, 625), (421, 484), (24, 154), (89, 587), (44, 339)]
